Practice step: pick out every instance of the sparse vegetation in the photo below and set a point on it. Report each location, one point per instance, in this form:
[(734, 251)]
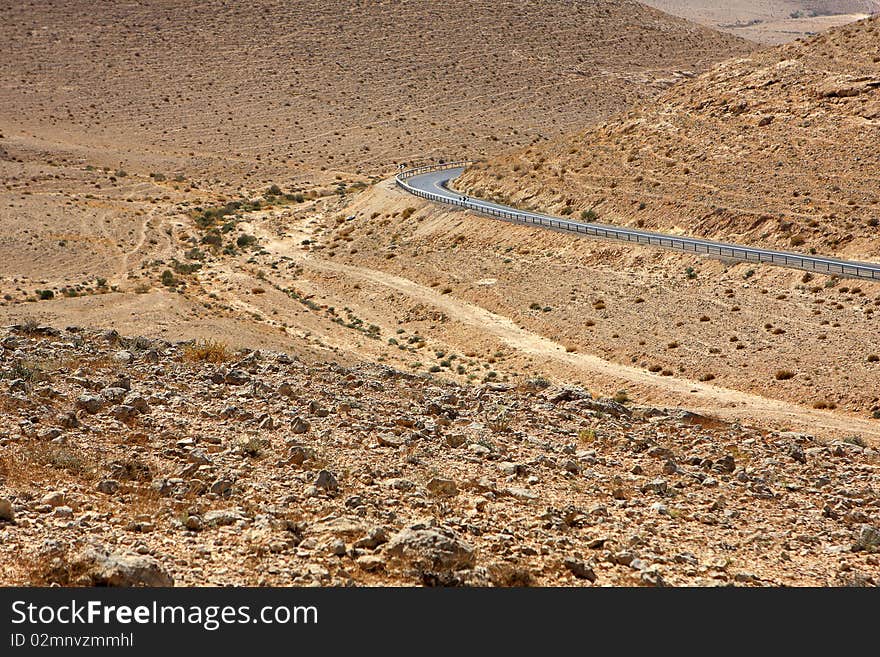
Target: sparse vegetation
[(207, 351)]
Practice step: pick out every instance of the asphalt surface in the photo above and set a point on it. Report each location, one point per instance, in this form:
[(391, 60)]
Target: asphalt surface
[(435, 185)]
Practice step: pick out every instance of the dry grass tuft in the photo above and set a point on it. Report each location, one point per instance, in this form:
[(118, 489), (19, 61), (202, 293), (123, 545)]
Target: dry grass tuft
[(208, 351)]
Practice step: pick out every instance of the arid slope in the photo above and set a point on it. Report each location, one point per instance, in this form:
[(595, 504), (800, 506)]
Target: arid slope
[(777, 149)]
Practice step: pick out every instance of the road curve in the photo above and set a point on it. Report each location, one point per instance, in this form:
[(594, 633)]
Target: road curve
[(432, 183)]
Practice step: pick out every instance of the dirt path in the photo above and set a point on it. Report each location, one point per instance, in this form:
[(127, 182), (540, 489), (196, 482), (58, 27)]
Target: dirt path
[(724, 403)]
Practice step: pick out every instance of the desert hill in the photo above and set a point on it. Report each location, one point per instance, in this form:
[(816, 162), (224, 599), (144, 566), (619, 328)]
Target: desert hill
[(118, 120), (241, 88), (778, 149)]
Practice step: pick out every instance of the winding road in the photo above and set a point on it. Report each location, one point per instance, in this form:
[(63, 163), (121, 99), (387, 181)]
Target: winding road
[(432, 183)]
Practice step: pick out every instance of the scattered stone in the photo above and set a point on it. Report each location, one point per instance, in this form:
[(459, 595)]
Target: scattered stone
[(102, 568), (370, 562), (90, 403), (299, 425), (53, 499), (108, 486), (442, 487), (221, 517), (326, 481), (867, 539), (236, 378), (390, 440), (7, 514), (579, 568), (438, 549)]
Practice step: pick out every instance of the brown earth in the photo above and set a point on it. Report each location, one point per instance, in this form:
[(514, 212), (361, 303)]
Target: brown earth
[(131, 461)]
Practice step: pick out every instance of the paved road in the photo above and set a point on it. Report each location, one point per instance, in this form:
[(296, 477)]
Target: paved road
[(434, 185)]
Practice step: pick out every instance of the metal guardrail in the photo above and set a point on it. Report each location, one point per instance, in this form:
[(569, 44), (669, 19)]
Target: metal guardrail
[(719, 250)]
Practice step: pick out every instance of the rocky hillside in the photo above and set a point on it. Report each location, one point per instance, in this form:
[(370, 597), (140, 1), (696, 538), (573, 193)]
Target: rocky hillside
[(777, 149), (135, 461)]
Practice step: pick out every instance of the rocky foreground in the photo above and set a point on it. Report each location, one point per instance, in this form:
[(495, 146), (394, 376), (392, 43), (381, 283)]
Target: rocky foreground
[(140, 462)]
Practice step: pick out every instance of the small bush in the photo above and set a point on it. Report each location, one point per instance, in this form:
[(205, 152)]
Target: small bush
[(245, 241), (207, 351), (589, 215), (168, 279)]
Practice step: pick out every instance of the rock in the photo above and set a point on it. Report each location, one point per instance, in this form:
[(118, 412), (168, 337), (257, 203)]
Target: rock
[(659, 452), (113, 394), (579, 568), (267, 423), (90, 403), (236, 378), (7, 514), (62, 512), (437, 549), (114, 569), (123, 357), (194, 523), (442, 487), (370, 562), (373, 539), (327, 481), (390, 440), (53, 498), (523, 494), (299, 425), (124, 413), (68, 420), (867, 539), (455, 440), (108, 486), (222, 517), (222, 487), (286, 390), (658, 486), (337, 548)]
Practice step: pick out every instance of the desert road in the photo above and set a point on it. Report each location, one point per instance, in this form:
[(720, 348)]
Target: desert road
[(432, 183)]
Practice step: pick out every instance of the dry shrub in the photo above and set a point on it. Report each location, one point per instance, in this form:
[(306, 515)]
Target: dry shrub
[(207, 351)]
